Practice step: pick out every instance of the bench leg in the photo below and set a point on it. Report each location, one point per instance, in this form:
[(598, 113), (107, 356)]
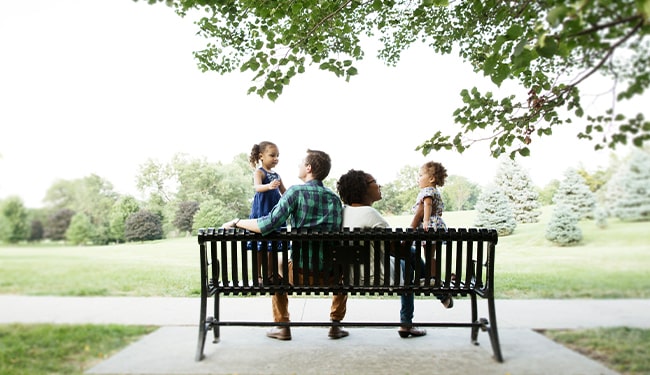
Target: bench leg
[(203, 327), (217, 317), (493, 332), (475, 328)]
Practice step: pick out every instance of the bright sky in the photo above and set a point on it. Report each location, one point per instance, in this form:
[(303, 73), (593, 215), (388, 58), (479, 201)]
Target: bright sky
[(102, 86)]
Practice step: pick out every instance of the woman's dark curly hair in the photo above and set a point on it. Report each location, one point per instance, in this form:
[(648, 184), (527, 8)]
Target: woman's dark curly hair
[(352, 186)]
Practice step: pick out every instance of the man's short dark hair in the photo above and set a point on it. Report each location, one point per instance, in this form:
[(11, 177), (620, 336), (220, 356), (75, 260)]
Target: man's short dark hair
[(320, 163)]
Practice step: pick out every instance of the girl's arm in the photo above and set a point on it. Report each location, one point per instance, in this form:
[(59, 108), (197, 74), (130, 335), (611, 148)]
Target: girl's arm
[(417, 217), (427, 202), (258, 177), (281, 187)]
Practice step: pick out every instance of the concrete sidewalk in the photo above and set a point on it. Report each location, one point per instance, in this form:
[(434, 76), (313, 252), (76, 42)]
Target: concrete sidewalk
[(246, 350)]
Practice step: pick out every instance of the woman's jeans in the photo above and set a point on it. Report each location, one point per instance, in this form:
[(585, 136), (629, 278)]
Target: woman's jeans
[(408, 299)]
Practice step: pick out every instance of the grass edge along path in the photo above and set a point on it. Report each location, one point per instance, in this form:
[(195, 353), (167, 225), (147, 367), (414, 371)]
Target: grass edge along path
[(622, 349), (64, 349), (39, 349)]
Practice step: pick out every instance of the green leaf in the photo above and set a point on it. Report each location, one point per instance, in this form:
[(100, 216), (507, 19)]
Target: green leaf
[(520, 47), (522, 60), (556, 15), (502, 73), (489, 64), (514, 32), (548, 48)]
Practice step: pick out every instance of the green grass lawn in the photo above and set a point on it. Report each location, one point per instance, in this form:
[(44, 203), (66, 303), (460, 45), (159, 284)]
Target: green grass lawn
[(610, 263)]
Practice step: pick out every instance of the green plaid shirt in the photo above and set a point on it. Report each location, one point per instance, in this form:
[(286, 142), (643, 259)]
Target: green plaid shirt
[(310, 205)]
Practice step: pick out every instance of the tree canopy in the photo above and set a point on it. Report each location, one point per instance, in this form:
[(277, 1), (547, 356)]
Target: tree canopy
[(548, 49)]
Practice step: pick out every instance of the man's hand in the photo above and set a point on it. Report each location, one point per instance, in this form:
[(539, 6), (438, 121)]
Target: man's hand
[(230, 224)]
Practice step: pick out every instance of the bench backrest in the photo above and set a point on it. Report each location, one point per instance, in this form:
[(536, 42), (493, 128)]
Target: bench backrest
[(351, 261)]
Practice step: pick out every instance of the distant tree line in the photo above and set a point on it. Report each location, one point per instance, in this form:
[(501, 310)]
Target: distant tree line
[(185, 194)]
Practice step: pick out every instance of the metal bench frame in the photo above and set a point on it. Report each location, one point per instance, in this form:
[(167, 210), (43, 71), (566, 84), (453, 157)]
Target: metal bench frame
[(230, 267)]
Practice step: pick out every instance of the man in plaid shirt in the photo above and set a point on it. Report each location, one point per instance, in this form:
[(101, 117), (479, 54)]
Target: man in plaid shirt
[(310, 205)]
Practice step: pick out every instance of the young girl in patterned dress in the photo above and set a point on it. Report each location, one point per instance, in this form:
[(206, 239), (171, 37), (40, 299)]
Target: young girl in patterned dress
[(431, 176), (267, 184)]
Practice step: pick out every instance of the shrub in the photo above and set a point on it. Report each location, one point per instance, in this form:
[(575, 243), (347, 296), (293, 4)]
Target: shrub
[(58, 223), (80, 230), (184, 218), (36, 231), (143, 226)]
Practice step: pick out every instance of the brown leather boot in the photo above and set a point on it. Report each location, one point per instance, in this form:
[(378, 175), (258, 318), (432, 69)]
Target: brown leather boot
[(405, 332), (336, 333), (279, 333)]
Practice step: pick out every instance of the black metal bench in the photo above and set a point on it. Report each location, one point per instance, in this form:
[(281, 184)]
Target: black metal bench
[(464, 259)]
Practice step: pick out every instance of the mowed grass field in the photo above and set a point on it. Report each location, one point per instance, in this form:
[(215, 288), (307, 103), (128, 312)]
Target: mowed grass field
[(610, 263)]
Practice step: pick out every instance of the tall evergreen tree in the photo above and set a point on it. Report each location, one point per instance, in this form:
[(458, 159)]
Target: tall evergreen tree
[(516, 184), (574, 194), (630, 188), (494, 210)]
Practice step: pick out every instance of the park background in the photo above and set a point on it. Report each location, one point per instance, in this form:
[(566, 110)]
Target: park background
[(101, 87)]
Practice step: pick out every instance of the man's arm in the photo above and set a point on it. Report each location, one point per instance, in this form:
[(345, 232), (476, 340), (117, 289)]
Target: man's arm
[(248, 224)]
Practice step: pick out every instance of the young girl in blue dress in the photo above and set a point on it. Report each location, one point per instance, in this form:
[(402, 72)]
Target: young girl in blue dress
[(266, 182)]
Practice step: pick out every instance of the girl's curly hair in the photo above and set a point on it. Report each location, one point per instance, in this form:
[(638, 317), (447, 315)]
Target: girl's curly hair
[(437, 170)]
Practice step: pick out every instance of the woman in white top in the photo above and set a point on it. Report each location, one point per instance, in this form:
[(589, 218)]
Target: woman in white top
[(358, 191)]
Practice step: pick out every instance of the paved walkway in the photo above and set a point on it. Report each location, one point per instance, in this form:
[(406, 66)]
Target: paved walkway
[(246, 350)]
